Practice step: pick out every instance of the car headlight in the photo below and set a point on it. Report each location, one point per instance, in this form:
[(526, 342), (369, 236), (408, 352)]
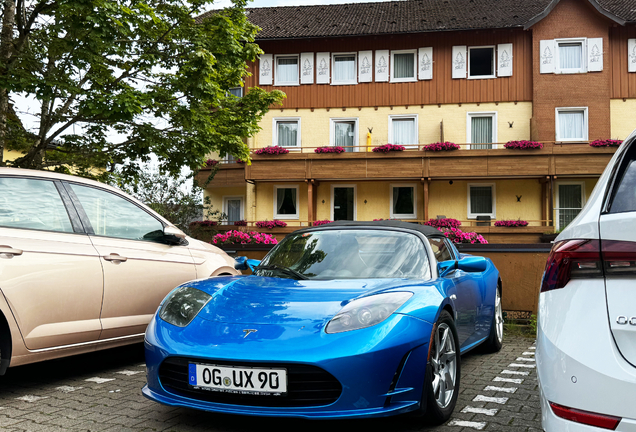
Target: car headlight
[(182, 305), (367, 311)]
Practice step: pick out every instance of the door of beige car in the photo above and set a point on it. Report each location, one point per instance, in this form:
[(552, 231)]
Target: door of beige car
[(50, 272), (139, 268)]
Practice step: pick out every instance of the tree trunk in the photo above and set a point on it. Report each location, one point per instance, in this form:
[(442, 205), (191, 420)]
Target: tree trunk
[(6, 48)]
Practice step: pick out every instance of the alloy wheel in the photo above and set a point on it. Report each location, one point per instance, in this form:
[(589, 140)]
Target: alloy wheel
[(444, 363), (499, 322)]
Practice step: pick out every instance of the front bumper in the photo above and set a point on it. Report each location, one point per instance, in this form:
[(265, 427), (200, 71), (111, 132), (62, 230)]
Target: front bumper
[(381, 369)]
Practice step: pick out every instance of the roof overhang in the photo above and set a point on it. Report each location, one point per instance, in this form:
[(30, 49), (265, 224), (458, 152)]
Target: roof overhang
[(553, 4)]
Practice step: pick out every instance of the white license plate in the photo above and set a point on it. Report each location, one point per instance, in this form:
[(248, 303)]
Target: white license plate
[(231, 379)]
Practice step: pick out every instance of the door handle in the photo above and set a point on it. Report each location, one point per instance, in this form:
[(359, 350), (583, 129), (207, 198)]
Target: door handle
[(9, 252), (115, 258)]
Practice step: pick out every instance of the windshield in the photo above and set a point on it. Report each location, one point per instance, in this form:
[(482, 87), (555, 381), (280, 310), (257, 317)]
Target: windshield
[(349, 254)]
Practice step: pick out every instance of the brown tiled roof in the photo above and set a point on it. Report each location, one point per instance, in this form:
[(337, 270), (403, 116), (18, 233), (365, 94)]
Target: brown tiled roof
[(410, 16)]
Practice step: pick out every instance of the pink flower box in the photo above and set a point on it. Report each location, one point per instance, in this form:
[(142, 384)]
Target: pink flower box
[(239, 237), (441, 146), (511, 223), (271, 224), (273, 150), (336, 149), (606, 143), (523, 145), (388, 148)]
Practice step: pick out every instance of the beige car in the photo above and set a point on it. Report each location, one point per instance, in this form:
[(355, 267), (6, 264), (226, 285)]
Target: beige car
[(83, 266)]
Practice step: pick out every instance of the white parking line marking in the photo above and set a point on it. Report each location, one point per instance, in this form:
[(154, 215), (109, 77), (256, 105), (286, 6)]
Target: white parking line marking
[(521, 365), (485, 411), (462, 423), (31, 398), (142, 365), (528, 353), (501, 389), (508, 380), (99, 380), (68, 389), (525, 359), (509, 372), (532, 347), (128, 373), (480, 398)]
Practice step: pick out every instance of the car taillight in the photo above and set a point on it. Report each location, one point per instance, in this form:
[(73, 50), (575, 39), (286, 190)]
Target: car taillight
[(619, 257), (586, 417), (571, 259)]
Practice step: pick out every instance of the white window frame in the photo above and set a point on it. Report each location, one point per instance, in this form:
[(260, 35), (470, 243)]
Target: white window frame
[(404, 116), (586, 130), (234, 197), (333, 68), (286, 83), (403, 215), (494, 63), (355, 198), (556, 199), (332, 130), (415, 63), (242, 91), (275, 121), (492, 215), (275, 203), (469, 126), (557, 56)]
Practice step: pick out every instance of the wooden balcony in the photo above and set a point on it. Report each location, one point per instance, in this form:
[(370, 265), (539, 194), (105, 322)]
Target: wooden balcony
[(555, 159)]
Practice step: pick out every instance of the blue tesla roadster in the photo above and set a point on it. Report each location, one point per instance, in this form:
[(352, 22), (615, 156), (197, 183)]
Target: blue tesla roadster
[(345, 320)]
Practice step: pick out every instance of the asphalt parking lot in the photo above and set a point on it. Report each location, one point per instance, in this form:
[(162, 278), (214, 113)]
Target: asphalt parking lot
[(102, 392)]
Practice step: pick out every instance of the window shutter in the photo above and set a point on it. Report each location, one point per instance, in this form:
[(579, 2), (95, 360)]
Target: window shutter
[(459, 61), (322, 68), (547, 51), (381, 65), (365, 66), (425, 63), (631, 55), (265, 68), (595, 54), (504, 60), (307, 68)]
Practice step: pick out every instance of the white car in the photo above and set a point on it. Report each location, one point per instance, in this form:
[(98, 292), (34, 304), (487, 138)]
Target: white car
[(586, 338)]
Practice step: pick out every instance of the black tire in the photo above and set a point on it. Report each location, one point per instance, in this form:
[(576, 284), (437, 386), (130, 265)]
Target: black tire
[(439, 408), (495, 339)]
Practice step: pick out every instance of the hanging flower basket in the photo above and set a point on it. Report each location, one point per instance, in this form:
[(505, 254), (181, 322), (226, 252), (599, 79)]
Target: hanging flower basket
[(606, 143), (336, 149), (441, 146), (443, 223), (271, 224), (523, 145), (272, 150), (388, 148), (511, 223), (239, 237), (322, 222)]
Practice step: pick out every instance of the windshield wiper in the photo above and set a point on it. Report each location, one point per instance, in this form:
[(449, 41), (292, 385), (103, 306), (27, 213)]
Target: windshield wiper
[(282, 269)]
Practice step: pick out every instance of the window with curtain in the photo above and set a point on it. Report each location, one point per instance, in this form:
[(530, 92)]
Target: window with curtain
[(286, 203), (345, 133), (236, 91), (481, 132), (403, 66), (286, 70), (404, 131), (344, 68), (287, 133), (481, 201), (233, 210), (403, 202), (481, 62), (571, 125), (570, 203), (571, 55)]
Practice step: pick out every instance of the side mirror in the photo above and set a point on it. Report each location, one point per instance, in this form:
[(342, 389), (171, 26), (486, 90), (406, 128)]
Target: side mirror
[(445, 267), (243, 263), (173, 235), (472, 264)]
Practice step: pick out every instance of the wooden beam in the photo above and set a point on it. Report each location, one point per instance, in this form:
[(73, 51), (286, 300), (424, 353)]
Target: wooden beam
[(311, 200), (544, 203), (425, 183), (551, 209)]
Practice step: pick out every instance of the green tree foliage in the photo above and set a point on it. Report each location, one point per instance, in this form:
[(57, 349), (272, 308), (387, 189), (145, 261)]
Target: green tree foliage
[(141, 70)]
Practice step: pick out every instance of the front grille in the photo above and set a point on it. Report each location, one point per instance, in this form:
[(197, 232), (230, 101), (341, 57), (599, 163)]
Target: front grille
[(306, 385)]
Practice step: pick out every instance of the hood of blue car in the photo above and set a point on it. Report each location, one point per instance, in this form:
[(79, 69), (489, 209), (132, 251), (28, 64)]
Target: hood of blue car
[(268, 300)]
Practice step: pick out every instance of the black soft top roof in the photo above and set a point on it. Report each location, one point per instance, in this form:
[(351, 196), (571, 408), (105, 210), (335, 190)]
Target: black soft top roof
[(428, 231)]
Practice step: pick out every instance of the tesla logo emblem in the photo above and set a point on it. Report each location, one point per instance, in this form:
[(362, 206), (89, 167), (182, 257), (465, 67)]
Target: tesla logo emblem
[(248, 331), (623, 320)]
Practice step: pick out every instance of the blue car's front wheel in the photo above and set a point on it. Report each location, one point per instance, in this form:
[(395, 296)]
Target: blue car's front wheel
[(443, 371)]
